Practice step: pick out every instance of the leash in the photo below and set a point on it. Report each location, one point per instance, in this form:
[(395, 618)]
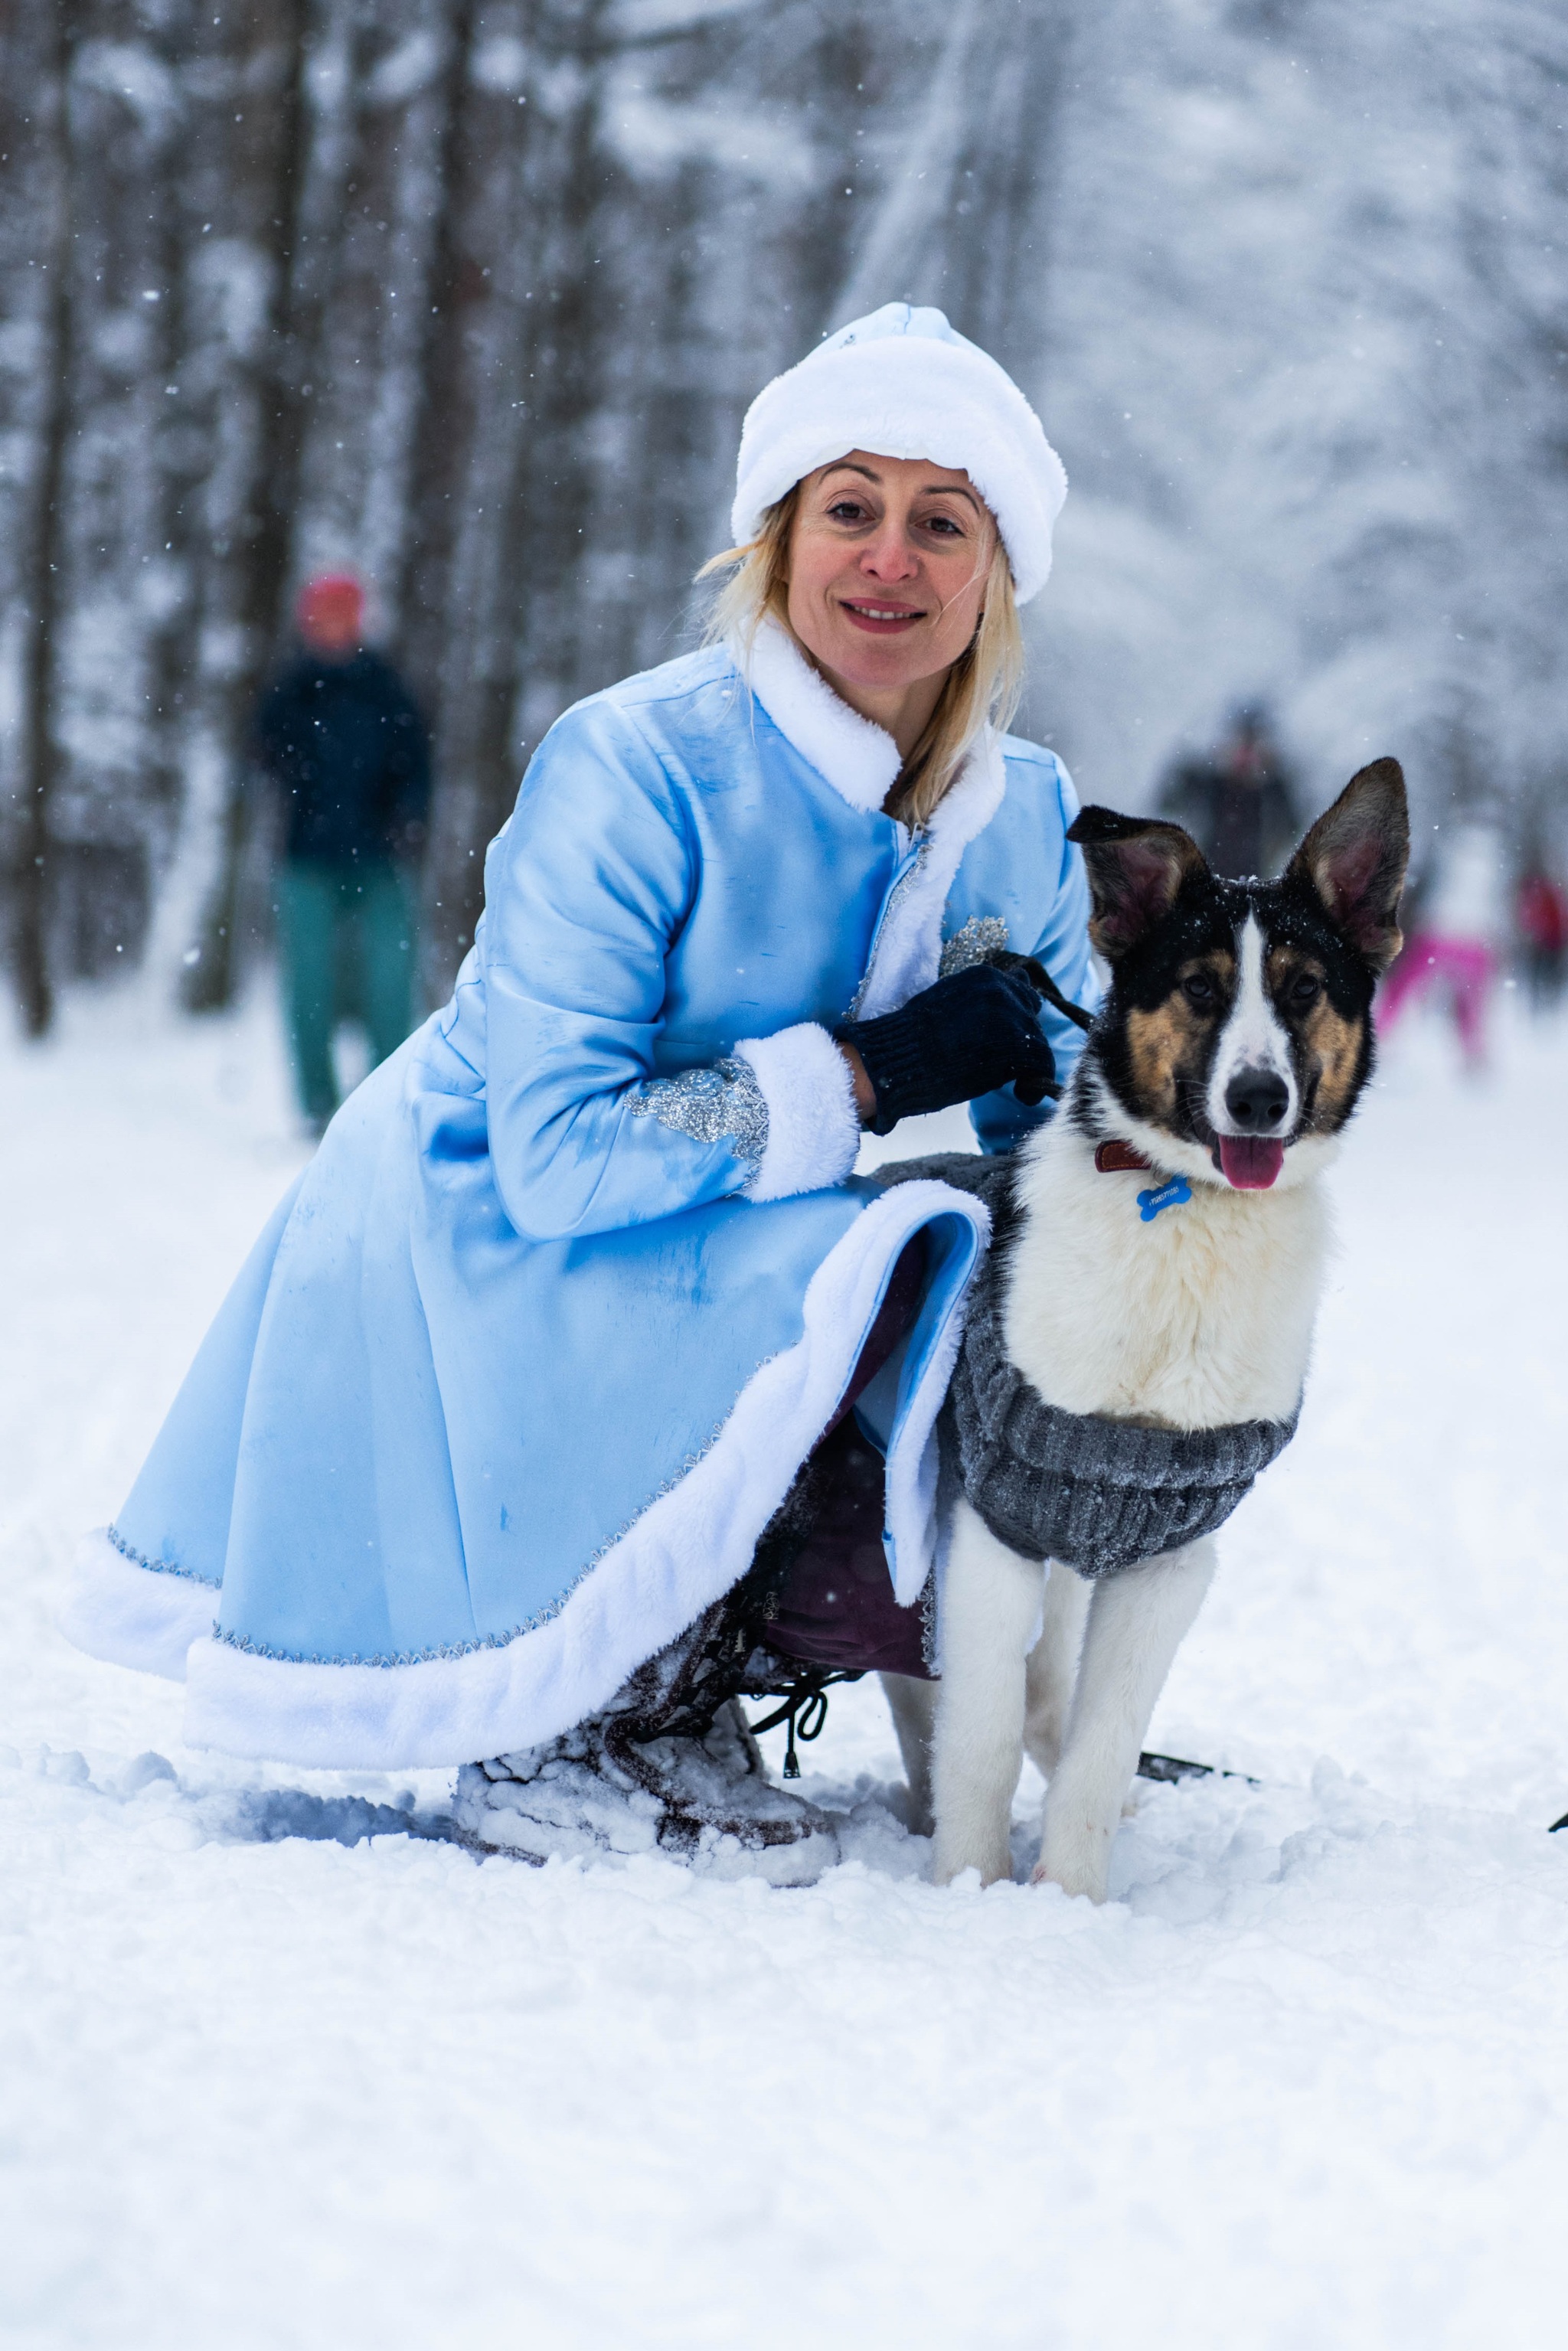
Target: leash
[(1041, 981), (1170, 1769), (1037, 974)]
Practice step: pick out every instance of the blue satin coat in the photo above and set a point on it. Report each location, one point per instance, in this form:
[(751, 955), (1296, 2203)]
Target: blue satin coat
[(501, 1312)]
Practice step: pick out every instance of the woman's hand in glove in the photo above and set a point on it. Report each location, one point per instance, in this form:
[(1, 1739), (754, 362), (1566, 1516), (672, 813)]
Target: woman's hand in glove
[(964, 1037)]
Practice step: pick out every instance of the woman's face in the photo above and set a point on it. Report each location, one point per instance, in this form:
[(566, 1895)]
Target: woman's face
[(888, 561)]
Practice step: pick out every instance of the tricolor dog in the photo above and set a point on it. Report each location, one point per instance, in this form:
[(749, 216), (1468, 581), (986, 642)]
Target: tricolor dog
[(1160, 1266)]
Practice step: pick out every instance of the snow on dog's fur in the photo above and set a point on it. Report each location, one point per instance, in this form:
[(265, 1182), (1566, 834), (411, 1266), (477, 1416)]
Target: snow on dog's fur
[(1232, 1049)]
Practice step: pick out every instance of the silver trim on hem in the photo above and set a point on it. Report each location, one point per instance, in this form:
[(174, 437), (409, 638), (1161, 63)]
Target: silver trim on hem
[(895, 896), (157, 1566)]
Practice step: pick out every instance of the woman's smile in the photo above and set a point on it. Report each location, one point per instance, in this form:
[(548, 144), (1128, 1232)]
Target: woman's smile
[(883, 620)]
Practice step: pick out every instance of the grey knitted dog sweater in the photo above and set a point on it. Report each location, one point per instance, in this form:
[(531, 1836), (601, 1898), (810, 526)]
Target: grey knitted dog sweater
[(1100, 1495)]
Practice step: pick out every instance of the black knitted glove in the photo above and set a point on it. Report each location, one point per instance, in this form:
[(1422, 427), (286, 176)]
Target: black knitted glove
[(963, 1038)]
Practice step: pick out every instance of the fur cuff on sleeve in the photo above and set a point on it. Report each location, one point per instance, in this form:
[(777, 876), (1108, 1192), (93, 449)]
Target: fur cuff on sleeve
[(813, 1127)]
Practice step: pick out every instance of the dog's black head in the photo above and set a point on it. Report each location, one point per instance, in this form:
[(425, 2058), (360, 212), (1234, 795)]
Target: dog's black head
[(1238, 1020)]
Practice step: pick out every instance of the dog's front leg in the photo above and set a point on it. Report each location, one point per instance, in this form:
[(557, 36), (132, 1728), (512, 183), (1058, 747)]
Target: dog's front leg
[(912, 1705), (990, 1607), (1137, 1624)]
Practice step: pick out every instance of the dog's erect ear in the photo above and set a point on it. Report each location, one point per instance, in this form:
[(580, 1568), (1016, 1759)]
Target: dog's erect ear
[(1355, 859), (1136, 866)]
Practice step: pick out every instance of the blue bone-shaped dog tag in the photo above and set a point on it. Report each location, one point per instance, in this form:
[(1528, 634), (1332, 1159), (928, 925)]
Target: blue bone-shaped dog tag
[(1174, 1194)]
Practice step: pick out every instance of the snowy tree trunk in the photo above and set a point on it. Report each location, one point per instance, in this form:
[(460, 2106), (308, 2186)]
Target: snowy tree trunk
[(34, 80), (261, 319)]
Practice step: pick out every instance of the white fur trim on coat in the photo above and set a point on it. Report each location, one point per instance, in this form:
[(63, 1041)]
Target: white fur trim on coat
[(914, 1467), (685, 1550), (907, 951), (133, 1616), (813, 1126), (859, 759), (903, 383)]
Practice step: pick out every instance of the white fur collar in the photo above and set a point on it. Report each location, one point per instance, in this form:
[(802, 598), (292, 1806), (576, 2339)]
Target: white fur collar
[(860, 760)]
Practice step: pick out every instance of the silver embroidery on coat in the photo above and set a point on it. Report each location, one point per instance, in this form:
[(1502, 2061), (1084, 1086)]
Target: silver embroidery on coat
[(896, 897), (718, 1101), (982, 936)]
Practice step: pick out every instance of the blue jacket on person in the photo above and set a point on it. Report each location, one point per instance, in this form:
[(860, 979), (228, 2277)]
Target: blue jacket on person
[(531, 1353), (350, 752)]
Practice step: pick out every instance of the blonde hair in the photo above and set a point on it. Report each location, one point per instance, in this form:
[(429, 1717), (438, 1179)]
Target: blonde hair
[(983, 684)]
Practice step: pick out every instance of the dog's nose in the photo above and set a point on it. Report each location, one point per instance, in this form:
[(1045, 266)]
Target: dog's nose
[(1257, 1100)]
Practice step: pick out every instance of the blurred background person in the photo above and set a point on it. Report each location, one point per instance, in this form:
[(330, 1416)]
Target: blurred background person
[(1541, 919), (1239, 804), (1457, 935), (341, 737)]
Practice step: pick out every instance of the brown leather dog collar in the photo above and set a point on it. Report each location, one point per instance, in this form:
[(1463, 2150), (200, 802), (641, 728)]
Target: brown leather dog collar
[(1119, 1158)]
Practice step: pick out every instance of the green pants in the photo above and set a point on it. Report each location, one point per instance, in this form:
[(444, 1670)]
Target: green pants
[(346, 935)]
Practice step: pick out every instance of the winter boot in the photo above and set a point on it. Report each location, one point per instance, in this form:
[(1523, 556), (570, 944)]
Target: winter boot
[(669, 1767)]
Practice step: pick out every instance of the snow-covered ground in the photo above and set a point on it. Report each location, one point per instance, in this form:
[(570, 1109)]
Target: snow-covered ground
[(277, 2070)]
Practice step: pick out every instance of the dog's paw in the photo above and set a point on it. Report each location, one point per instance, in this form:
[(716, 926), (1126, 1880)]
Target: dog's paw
[(911, 1806), (1087, 1882), (918, 1818), (1078, 1864), (950, 1861)]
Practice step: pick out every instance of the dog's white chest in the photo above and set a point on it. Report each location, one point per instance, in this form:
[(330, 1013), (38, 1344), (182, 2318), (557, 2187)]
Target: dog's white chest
[(1198, 1318)]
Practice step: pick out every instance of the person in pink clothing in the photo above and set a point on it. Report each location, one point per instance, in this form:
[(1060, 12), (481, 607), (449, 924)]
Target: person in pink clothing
[(1456, 938)]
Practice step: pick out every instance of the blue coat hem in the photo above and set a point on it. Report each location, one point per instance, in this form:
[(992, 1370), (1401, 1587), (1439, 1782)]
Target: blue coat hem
[(682, 1553)]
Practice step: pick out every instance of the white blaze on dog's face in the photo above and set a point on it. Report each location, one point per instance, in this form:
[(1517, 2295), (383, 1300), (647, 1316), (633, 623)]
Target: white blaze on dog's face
[(1238, 1020), (1253, 1086)]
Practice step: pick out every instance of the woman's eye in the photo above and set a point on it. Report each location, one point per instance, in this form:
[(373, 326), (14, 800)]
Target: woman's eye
[(846, 510), (943, 526), (1305, 990), (1198, 988)]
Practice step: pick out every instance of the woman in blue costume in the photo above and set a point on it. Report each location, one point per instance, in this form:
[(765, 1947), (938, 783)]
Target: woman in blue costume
[(529, 1357)]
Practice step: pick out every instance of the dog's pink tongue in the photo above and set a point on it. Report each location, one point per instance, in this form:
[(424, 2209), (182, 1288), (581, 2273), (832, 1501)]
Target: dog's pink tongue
[(1251, 1162)]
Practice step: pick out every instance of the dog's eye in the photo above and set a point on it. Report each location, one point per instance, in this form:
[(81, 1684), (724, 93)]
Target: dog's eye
[(1199, 989), (1305, 990)]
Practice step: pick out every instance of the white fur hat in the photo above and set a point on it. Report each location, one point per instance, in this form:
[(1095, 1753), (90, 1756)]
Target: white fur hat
[(903, 383)]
